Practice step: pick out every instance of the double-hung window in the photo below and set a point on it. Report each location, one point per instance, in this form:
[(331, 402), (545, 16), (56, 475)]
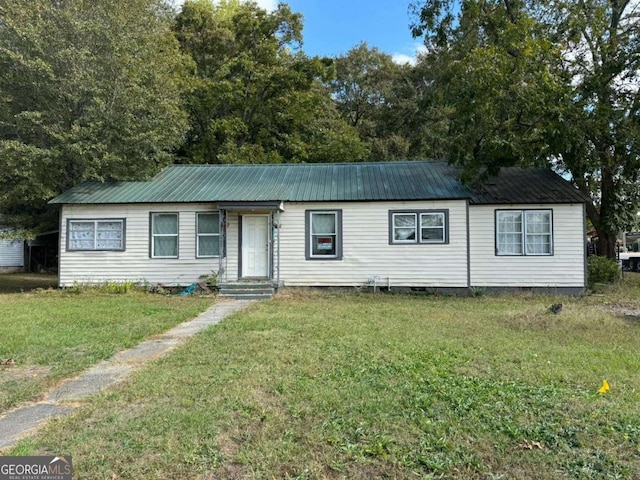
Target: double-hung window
[(404, 227), (323, 231), (164, 235), (524, 232), (418, 226), (208, 233), (107, 234), (432, 227)]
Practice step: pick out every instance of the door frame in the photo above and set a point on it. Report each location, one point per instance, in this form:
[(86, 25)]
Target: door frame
[(269, 275)]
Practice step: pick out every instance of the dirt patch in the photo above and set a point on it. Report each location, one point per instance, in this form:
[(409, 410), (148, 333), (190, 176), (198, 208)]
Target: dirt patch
[(16, 372), (228, 444), (230, 471), (26, 282), (629, 312), (533, 320)]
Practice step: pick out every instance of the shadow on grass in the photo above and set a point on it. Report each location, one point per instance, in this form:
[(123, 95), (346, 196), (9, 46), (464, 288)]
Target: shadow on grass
[(24, 282)]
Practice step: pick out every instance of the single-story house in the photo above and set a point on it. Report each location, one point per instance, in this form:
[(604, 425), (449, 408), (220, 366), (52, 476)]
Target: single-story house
[(11, 253), (398, 224)]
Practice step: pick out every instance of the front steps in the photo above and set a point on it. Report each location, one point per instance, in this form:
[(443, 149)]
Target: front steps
[(247, 290)]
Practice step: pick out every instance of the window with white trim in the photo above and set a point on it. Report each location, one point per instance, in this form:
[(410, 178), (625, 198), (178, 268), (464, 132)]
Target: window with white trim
[(418, 226), (404, 227), (107, 234), (208, 235), (524, 232), (323, 230), (432, 227), (164, 235)]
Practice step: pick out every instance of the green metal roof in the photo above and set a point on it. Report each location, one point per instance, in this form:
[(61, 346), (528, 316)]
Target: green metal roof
[(415, 180)]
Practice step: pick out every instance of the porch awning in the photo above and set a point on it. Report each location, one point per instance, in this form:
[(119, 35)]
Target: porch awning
[(251, 206)]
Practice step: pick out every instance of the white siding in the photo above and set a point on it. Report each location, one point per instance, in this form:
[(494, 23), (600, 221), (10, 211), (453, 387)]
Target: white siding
[(365, 246), (366, 249), (565, 268), (231, 272), (134, 263), (11, 254)]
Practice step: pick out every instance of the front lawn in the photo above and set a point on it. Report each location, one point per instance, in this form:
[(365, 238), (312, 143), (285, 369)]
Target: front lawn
[(361, 386), (49, 335)]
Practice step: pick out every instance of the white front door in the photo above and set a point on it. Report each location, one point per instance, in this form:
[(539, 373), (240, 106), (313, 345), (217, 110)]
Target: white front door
[(255, 246)]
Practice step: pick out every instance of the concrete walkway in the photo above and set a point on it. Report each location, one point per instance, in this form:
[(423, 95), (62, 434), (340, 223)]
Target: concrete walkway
[(59, 401)]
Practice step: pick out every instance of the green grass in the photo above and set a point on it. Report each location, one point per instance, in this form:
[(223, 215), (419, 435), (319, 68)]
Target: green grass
[(361, 386), (53, 334)]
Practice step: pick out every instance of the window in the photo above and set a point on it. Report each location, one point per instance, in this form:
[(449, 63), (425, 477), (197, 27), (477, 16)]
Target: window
[(208, 233), (524, 232), (323, 235), (164, 235), (418, 226), (432, 227), (404, 227), (105, 234)]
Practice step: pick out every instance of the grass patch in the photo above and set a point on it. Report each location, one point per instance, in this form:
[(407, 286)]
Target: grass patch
[(378, 386), (52, 334)]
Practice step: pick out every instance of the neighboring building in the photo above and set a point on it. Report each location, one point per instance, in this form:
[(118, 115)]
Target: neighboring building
[(400, 224), (11, 254)]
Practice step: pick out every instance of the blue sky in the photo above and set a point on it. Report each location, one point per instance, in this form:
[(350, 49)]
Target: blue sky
[(333, 27)]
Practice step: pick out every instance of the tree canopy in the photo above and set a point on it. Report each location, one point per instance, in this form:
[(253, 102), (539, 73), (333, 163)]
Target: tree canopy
[(256, 96), (87, 91), (552, 83), (115, 90)]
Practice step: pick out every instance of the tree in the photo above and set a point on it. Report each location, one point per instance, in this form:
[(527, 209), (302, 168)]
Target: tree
[(257, 98), (88, 91), (600, 141), (364, 82), (384, 102), (543, 82)]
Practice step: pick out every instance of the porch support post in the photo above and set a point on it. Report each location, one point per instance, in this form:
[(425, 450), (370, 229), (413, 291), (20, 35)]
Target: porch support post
[(222, 221), (278, 250)]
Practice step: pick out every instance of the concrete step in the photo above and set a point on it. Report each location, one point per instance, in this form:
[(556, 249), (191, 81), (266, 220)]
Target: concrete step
[(246, 296), (247, 290)]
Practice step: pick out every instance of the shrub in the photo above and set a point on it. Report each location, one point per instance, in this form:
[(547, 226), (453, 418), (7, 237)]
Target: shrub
[(602, 270)]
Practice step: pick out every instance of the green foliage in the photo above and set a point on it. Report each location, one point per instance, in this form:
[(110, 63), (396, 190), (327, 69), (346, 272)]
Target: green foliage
[(121, 287), (542, 83), (364, 89), (211, 279), (382, 101), (87, 92), (477, 291), (109, 287), (492, 71), (256, 98), (602, 270)]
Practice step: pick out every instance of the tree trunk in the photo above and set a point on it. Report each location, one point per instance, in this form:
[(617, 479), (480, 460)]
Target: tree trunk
[(607, 245), (607, 237)]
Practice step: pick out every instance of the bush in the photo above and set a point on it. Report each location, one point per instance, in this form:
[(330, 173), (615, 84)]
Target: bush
[(602, 270)]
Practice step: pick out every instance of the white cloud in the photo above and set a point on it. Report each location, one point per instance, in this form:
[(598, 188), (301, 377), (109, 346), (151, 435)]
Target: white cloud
[(402, 58), (409, 55)]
